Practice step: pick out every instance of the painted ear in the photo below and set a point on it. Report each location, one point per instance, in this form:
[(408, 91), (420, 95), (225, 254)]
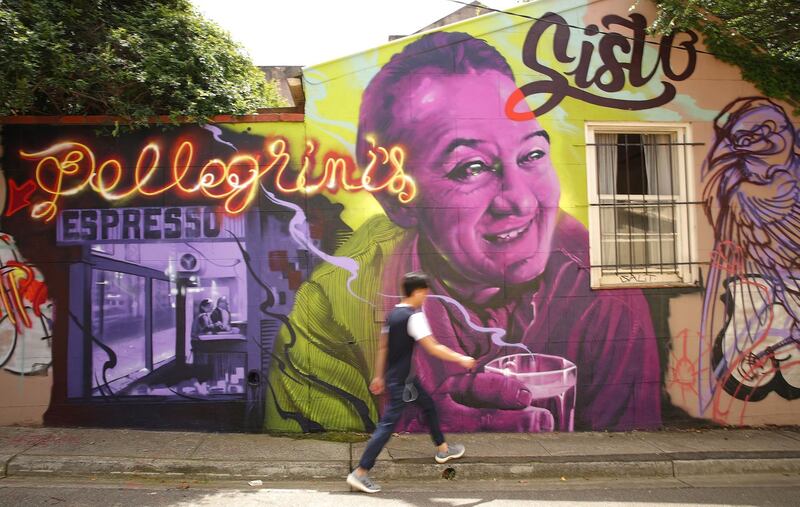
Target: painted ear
[(404, 215)]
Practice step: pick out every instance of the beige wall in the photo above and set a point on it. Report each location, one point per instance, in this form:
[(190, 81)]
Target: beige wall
[(24, 399)]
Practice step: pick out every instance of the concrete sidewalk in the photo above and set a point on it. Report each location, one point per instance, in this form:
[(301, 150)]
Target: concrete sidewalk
[(169, 454)]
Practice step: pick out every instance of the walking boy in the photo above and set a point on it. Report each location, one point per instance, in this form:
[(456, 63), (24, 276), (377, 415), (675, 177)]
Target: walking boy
[(405, 326)]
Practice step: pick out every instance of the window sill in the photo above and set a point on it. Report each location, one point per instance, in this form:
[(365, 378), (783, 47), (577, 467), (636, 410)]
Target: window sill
[(642, 281)]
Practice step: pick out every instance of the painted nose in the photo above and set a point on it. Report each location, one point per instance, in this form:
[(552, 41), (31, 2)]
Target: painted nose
[(515, 196)]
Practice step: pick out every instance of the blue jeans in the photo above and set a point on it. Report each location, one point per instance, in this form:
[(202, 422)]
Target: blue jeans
[(392, 414)]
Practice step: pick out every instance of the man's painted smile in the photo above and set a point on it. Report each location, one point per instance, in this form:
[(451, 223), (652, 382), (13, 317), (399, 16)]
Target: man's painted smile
[(508, 236)]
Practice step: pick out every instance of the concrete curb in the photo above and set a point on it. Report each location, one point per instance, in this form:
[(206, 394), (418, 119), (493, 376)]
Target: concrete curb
[(600, 467), (28, 465), (684, 468), (587, 467), (532, 470)]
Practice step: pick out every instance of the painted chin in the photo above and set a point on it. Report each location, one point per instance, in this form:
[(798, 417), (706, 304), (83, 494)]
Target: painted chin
[(520, 255), (525, 270)]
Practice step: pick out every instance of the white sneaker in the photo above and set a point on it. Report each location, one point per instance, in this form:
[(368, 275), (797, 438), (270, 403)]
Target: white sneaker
[(364, 483), (454, 451)]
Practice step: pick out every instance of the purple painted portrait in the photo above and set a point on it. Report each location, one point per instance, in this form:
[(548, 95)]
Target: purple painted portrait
[(509, 270)]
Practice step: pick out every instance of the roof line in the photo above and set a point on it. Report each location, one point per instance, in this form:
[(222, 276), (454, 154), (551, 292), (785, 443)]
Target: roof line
[(154, 120)]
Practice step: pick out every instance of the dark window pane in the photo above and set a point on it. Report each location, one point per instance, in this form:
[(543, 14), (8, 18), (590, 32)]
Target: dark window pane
[(631, 174)]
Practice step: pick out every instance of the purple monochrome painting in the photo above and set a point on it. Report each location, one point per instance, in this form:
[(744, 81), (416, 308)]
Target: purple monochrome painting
[(136, 303)]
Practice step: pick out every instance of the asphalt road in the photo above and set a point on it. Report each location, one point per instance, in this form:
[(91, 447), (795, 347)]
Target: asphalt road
[(707, 491)]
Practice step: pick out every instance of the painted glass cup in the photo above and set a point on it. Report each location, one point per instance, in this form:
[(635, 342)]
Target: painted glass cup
[(551, 380)]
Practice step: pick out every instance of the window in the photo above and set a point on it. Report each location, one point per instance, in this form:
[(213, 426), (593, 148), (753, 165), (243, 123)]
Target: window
[(162, 303), (639, 218), (118, 329), (133, 325)]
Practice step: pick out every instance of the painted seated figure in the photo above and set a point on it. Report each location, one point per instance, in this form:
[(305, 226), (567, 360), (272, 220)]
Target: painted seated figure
[(221, 316), (202, 323)]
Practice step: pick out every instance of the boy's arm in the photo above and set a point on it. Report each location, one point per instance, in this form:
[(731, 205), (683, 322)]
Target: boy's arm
[(445, 353), (377, 385)]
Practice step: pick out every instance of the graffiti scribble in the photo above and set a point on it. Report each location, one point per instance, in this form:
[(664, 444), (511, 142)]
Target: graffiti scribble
[(25, 313)]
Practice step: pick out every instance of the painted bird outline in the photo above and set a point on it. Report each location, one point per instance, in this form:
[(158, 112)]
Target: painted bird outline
[(752, 199)]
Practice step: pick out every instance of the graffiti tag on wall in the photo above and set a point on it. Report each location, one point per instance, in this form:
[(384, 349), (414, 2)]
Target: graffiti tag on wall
[(612, 76), (26, 313)]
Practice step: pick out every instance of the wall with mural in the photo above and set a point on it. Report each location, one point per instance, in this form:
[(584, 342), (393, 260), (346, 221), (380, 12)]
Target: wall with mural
[(610, 221)]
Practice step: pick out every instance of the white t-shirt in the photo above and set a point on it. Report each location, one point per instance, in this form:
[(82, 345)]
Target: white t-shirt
[(418, 326)]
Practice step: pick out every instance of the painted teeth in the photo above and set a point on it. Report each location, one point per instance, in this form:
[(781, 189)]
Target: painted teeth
[(511, 234)]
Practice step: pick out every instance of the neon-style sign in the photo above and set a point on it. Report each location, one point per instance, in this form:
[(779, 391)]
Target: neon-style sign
[(339, 171), (70, 167)]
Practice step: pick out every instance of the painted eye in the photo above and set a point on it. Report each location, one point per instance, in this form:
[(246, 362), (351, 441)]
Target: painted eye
[(532, 156), (468, 170)]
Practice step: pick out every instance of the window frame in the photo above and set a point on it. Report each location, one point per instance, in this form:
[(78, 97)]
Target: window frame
[(98, 261), (685, 220)]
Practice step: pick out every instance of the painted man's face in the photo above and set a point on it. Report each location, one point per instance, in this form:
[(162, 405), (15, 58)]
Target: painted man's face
[(488, 194)]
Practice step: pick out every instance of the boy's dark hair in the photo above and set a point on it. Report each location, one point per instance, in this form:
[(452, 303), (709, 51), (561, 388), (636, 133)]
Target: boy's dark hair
[(414, 281)]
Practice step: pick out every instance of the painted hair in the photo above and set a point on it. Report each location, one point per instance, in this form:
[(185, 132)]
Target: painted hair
[(446, 53)]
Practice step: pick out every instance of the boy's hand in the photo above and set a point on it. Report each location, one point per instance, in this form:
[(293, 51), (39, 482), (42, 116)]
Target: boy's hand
[(377, 385), (467, 362)]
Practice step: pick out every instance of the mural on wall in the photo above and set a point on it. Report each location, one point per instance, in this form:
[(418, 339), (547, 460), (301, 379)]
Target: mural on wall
[(26, 312), (751, 311), (177, 253), (237, 275), (508, 268)]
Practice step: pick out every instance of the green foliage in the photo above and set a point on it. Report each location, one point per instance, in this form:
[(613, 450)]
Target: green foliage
[(761, 37), (132, 58)]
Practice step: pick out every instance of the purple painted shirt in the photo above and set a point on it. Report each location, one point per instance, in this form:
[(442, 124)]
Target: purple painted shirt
[(608, 334)]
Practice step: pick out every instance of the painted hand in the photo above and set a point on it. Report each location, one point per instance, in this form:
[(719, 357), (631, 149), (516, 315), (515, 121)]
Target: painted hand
[(489, 402)]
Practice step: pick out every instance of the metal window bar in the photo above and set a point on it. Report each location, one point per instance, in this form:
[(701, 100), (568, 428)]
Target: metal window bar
[(614, 176), (630, 215), (673, 210), (682, 263), (645, 184), (673, 204), (655, 144), (598, 187), (688, 224), (658, 215)]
